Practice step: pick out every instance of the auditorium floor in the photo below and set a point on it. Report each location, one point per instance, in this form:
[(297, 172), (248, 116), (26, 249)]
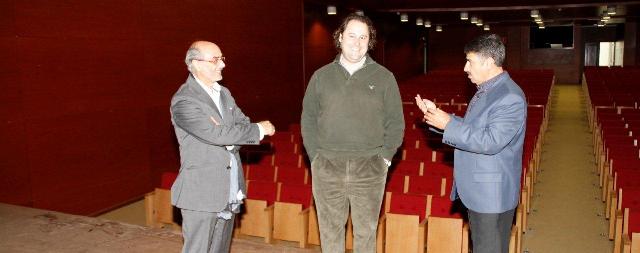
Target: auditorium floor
[(567, 214)]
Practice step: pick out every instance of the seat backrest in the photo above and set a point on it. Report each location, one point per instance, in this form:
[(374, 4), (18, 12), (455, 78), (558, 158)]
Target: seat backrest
[(633, 223), (167, 179), (291, 175), (261, 173), (436, 168), (410, 204), (283, 147), (408, 167), (444, 207), (627, 178), (296, 193), (395, 183), (262, 190), (630, 197), (426, 185), (287, 159)]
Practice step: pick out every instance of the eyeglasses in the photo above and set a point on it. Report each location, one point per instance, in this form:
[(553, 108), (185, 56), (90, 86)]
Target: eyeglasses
[(214, 60)]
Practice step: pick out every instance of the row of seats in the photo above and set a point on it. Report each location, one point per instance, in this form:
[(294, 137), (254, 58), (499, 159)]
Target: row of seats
[(614, 118)]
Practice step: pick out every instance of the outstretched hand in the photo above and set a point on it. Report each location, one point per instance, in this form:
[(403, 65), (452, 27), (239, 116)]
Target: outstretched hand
[(424, 104), (437, 118)]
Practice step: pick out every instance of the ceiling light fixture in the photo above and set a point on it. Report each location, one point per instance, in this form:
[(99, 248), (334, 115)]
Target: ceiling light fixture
[(331, 10), (419, 21), (486, 28), (479, 23), (534, 13), (464, 15), (404, 17), (438, 28), (427, 23), (611, 10), (474, 19)]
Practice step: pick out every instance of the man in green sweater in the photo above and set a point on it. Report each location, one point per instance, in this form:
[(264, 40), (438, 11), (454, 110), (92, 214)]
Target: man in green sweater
[(352, 125)]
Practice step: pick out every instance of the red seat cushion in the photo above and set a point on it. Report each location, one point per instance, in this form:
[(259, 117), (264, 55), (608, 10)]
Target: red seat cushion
[(296, 193), (262, 190), (410, 204)]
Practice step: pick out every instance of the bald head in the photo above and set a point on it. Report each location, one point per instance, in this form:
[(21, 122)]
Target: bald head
[(205, 46), (204, 60)]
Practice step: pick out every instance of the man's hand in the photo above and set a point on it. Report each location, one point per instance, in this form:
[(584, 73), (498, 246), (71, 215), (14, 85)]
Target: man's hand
[(269, 129), (437, 118), (424, 104)]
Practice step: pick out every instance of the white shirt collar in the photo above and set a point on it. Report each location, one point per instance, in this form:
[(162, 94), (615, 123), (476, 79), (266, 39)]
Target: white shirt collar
[(352, 68), (216, 86)]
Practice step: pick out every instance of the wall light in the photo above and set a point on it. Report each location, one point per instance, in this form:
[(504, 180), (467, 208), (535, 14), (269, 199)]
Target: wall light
[(464, 15), (419, 21), (438, 28), (534, 13), (404, 17), (331, 10), (427, 23)]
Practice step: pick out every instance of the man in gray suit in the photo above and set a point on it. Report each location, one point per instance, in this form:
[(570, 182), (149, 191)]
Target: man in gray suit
[(209, 127), (488, 145)]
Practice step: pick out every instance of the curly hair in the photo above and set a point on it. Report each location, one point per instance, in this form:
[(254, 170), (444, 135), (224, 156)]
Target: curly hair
[(360, 18)]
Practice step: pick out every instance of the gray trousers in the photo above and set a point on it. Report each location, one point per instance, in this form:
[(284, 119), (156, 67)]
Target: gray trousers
[(204, 232), (490, 232), (348, 182)]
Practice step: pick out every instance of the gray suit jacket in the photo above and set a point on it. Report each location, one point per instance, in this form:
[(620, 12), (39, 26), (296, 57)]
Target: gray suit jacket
[(203, 181), (488, 154)]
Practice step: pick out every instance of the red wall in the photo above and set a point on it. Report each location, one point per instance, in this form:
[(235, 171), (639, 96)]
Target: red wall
[(86, 89)]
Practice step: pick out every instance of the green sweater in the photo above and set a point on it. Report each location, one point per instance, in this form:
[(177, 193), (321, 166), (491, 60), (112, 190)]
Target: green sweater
[(359, 114)]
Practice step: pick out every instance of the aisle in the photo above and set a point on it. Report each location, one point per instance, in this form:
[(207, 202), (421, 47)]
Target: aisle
[(566, 214)]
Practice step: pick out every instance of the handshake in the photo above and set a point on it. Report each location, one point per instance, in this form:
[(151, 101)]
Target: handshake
[(269, 129)]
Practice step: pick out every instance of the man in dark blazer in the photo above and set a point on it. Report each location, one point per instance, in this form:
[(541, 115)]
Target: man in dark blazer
[(488, 144), (209, 127)]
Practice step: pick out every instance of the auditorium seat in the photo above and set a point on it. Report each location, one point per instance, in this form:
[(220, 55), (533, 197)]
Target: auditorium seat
[(257, 216), (447, 232), (291, 214), (405, 223), (157, 204)]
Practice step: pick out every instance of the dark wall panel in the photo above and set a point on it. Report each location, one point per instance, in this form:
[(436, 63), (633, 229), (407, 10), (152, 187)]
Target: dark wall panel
[(447, 51)]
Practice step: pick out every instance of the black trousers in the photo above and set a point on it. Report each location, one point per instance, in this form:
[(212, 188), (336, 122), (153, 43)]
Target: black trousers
[(490, 232)]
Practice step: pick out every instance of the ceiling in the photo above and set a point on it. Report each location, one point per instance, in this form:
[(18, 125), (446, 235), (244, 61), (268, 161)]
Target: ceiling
[(495, 12)]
